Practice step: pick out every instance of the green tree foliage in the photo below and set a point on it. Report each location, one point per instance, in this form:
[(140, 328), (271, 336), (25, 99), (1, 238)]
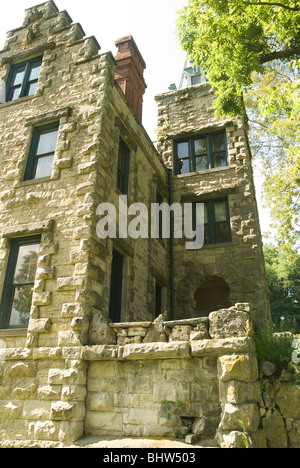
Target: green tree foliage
[(273, 105), (250, 52), (283, 275), (231, 39)]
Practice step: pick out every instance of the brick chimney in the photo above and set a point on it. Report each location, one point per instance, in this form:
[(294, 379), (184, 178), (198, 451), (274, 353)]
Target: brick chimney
[(129, 73)]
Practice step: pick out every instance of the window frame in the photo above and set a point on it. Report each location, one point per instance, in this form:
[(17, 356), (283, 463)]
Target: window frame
[(191, 149), (212, 222), (123, 172), (33, 157), (8, 288), (24, 86)]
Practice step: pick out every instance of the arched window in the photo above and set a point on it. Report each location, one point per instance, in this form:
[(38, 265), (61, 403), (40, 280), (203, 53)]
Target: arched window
[(212, 294)]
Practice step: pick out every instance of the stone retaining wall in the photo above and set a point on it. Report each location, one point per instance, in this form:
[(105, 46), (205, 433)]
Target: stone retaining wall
[(190, 387)]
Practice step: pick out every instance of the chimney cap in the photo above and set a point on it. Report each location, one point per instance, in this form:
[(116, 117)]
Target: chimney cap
[(129, 38)]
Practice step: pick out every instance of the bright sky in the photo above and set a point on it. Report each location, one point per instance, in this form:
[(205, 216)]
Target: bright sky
[(152, 25)]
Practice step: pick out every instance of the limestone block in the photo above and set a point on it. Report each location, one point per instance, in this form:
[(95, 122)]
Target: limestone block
[(229, 440), (46, 353), (222, 346), (72, 338), (21, 369), (242, 367), (10, 410), (49, 392), (294, 434), (142, 416), (43, 430), (156, 351), (274, 426), (41, 299), (287, 398), (66, 376), (102, 369), (172, 392), (80, 323), (100, 402), (230, 323), (64, 411), (70, 431), (180, 333), (70, 283), (99, 331), (104, 423), (75, 310), (73, 393), (39, 325), (105, 353), (236, 392), (238, 417), (36, 410), (25, 393)]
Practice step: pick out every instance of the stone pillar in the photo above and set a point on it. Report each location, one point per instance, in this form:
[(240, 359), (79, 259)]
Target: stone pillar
[(239, 389)]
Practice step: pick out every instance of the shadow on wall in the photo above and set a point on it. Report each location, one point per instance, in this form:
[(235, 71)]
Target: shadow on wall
[(212, 294)]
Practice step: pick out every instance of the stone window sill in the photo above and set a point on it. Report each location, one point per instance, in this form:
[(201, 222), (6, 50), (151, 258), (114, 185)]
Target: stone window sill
[(13, 332), (208, 171), (17, 101)]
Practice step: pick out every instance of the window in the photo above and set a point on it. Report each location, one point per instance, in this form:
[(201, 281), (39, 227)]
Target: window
[(116, 286), (216, 221), (201, 153), (212, 294), (158, 299), (159, 200), (123, 168), (19, 282), (41, 154), (23, 79)]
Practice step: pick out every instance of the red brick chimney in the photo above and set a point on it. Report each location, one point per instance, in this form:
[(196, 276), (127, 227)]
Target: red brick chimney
[(129, 73)]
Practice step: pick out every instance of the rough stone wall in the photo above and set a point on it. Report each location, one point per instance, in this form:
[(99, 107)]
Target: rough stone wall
[(180, 385), (279, 408), (189, 112), (43, 377)]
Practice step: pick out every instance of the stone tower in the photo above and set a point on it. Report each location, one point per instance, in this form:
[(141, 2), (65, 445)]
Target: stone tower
[(210, 160)]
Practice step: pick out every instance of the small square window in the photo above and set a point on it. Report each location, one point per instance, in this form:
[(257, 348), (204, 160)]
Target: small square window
[(23, 78), (19, 283), (42, 150)]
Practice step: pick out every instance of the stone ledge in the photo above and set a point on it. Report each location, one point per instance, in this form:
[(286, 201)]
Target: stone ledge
[(217, 347), (172, 350)]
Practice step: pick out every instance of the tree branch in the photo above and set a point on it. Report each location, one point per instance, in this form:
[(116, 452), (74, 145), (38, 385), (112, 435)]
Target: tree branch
[(280, 54), (272, 4)]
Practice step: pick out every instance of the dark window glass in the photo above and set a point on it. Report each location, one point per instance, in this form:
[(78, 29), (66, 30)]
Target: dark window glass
[(116, 286), (159, 200), (158, 300), (19, 283), (201, 153), (123, 168), (41, 155), (23, 79), (216, 221)]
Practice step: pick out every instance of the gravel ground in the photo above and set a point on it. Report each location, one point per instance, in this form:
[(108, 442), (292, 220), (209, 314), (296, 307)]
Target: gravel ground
[(107, 442)]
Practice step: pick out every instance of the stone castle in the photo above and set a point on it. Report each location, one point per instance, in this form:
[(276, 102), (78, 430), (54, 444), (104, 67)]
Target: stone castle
[(107, 336)]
